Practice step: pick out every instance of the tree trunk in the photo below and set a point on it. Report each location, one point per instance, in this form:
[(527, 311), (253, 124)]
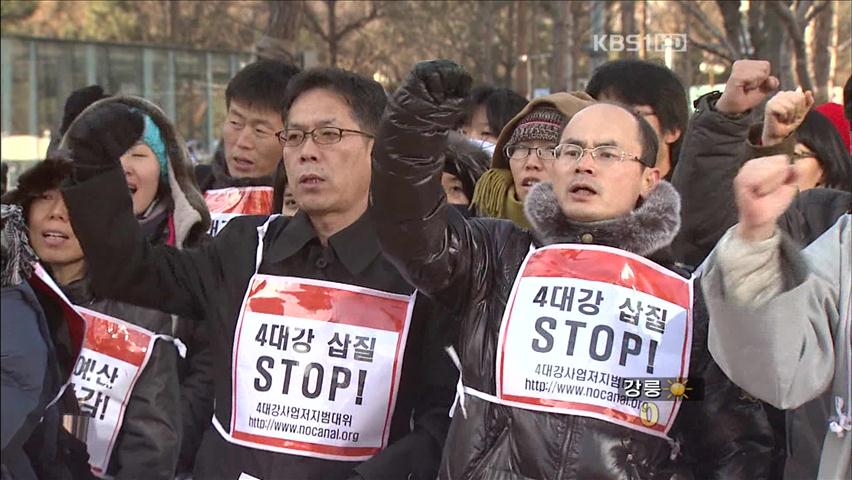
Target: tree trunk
[(628, 23), (174, 22), (562, 61), (821, 54), (785, 65), (281, 31), (796, 29), (769, 40), (685, 70), (576, 12), (733, 28), (332, 32), (521, 33), (485, 39), (598, 19)]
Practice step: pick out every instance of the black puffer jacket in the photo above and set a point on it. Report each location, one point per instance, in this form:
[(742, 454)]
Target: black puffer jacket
[(470, 265)]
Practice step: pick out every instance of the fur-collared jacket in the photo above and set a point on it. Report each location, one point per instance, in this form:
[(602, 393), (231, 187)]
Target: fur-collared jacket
[(470, 265)]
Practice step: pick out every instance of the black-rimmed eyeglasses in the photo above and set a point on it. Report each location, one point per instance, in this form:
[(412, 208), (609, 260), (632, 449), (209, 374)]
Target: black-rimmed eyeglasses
[(293, 137)]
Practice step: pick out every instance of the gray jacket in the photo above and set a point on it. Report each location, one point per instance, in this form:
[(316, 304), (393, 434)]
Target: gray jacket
[(780, 328)]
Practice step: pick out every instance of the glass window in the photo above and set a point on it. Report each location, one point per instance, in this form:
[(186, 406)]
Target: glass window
[(160, 76), (60, 69), (191, 97), (17, 52), (120, 69), (221, 72)]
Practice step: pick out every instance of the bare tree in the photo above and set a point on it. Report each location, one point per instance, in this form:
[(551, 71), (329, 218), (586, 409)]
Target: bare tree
[(332, 34), (628, 23), (282, 30), (823, 32), (521, 34), (562, 62), (796, 17)]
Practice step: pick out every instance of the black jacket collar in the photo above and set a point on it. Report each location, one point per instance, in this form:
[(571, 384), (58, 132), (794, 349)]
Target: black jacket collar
[(355, 246)]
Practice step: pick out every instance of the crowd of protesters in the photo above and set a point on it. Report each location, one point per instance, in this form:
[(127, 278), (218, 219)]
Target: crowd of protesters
[(435, 282)]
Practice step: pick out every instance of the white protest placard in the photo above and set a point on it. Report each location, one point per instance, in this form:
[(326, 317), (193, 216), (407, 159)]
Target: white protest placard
[(316, 367), (581, 319), (113, 357), (226, 204)]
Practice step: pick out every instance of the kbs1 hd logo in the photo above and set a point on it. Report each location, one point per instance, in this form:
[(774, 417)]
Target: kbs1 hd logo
[(658, 42)]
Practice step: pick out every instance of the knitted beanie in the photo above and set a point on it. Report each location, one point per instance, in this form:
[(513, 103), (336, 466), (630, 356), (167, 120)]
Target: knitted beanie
[(542, 123)]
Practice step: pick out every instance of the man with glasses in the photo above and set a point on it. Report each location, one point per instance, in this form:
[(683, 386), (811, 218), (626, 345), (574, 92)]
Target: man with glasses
[(521, 154), (327, 365), (568, 367)]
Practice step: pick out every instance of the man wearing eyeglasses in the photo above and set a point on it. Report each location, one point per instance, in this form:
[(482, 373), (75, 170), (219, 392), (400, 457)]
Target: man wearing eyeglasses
[(327, 364), (560, 327)]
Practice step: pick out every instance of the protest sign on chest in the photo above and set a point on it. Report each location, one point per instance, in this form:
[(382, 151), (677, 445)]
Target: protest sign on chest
[(583, 320), (316, 367), (228, 203), (113, 357)]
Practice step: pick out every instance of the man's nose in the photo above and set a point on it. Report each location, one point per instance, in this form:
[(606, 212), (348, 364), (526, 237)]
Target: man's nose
[(586, 163), (246, 138)]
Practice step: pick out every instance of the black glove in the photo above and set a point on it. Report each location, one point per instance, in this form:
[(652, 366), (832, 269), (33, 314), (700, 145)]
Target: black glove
[(100, 137), (436, 93), (78, 101)]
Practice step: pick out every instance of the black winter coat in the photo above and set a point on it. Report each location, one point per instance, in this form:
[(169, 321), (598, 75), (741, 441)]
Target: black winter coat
[(210, 282), (470, 266)]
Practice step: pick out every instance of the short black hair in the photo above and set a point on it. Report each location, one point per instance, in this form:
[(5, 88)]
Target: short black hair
[(261, 84), (638, 82), (501, 105), (847, 99), (365, 96), (466, 160), (818, 134), (649, 140)]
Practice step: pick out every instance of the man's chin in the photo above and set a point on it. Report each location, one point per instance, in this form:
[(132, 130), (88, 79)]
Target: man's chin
[(582, 213)]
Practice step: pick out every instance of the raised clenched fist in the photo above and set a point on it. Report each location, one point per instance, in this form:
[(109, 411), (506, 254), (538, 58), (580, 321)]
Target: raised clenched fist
[(764, 188), (435, 93), (749, 84), (100, 136), (784, 113)]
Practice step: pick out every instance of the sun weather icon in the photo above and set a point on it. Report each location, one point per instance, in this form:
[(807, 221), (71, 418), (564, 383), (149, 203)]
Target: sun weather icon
[(677, 388)]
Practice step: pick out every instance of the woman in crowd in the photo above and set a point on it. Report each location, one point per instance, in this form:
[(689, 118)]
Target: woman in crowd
[(37, 361), (170, 210)]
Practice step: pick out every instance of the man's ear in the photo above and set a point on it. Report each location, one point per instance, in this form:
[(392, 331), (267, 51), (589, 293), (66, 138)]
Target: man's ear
[(650, 179), (671, 136)]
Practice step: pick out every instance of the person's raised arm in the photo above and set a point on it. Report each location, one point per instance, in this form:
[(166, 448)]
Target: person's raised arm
[(714, 148), (770, 306), (121, 263), (424, 238)]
